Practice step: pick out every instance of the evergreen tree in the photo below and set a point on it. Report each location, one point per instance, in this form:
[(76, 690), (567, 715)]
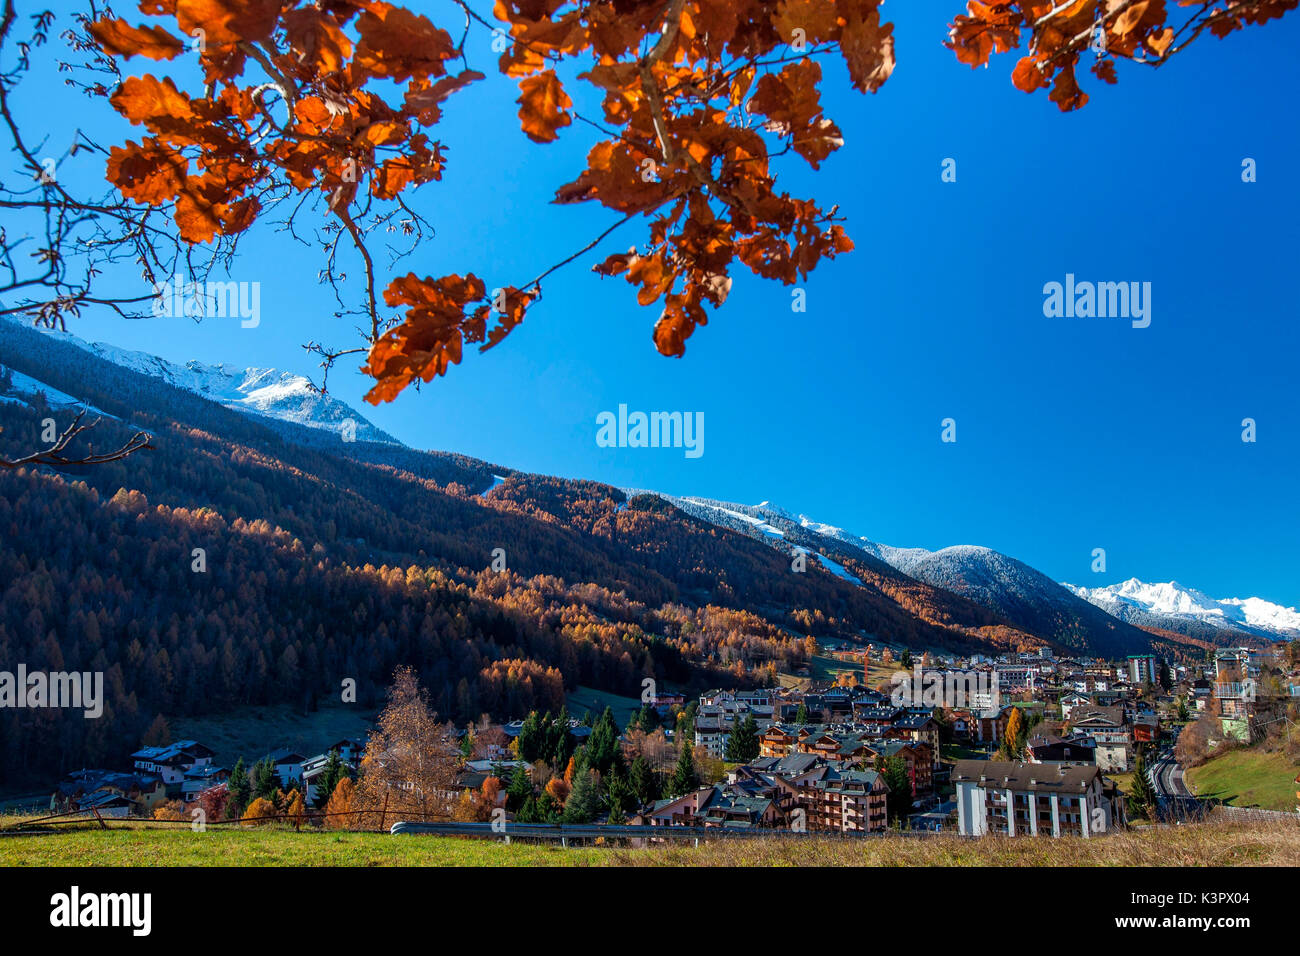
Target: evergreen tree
[(894, 770), (520, 788), (801, 715), (548, 810), (685, 780), (240, 793), (528, 812), (335, 770), (686, 722), (742, 742), (1142, 798), (648, 719), (906, 659), (531, 737), (644, 782), (266, 784), (603, 753), (583, 804), (560, 740), (619, 797)]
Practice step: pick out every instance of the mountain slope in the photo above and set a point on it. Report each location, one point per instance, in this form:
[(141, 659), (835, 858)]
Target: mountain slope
[(1018, 596), (249, 560), (1028, 597), (265, 392), (1171, 606)]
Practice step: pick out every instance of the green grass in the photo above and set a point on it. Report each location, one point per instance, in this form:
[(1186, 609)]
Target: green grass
[(829, 668), (1123, 780), (585, 699), (179, 846), (1248, 778), (1211, 844), (253, 732)]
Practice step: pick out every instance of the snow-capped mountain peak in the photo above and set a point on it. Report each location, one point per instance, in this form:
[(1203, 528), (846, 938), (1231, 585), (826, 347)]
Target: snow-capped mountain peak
[(1170, 599), (265, 392)]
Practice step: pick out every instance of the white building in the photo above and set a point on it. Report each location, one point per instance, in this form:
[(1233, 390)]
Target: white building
[(1046, 799)]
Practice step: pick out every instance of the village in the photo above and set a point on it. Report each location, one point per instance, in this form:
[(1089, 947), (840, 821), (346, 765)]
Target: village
[(1018, 744)]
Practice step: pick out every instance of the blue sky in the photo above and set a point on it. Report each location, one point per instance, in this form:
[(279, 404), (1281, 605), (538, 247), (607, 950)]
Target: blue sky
[(1072, 434)]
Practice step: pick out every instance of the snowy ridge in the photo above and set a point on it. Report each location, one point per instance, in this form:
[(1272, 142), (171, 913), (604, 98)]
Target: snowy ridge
[(749, 518), (1001, 582), (263, 392), (1172, 600)]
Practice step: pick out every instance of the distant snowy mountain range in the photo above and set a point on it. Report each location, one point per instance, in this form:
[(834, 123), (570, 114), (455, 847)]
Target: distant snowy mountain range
[(1137, 602), (1026, 596), (1019, 593), (254, 391)]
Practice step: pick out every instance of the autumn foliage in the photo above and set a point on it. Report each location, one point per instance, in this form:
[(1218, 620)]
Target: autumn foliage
[(336, 100), (1060, 37)]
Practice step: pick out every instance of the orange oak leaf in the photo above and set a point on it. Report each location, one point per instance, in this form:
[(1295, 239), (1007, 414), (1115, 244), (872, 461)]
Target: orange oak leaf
[(159, 106), (868, 47), (398, 44), (121, 39), (225, 22), (149, 173), (317, 39), (542, 106)]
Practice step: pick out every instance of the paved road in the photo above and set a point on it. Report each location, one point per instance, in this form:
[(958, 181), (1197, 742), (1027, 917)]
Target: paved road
[(1176, 800)]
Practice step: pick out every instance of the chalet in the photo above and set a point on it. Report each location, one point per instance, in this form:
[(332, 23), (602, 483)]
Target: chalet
[(141, 792), (991, 725), (777, 741), (832, 745), (106, 803), (1009, 797), (1049, 748), (1072, 701), (961, 723), (843, 800), (733, 809), (916, 758), (684, 811), (917, 727), (1112, 733), (288, 765), (874, 718), (172, 761), (313, 768), (199, 779)]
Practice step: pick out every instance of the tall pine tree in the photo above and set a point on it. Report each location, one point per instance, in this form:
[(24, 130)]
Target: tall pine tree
[(685, 780), (239, 791), (742, 742)]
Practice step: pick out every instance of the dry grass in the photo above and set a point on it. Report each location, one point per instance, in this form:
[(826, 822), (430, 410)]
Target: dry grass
[(1271, 843)]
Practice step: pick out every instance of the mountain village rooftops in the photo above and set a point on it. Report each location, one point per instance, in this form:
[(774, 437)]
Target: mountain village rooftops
[(1040, 778), (170, 752), (1098, 717)]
